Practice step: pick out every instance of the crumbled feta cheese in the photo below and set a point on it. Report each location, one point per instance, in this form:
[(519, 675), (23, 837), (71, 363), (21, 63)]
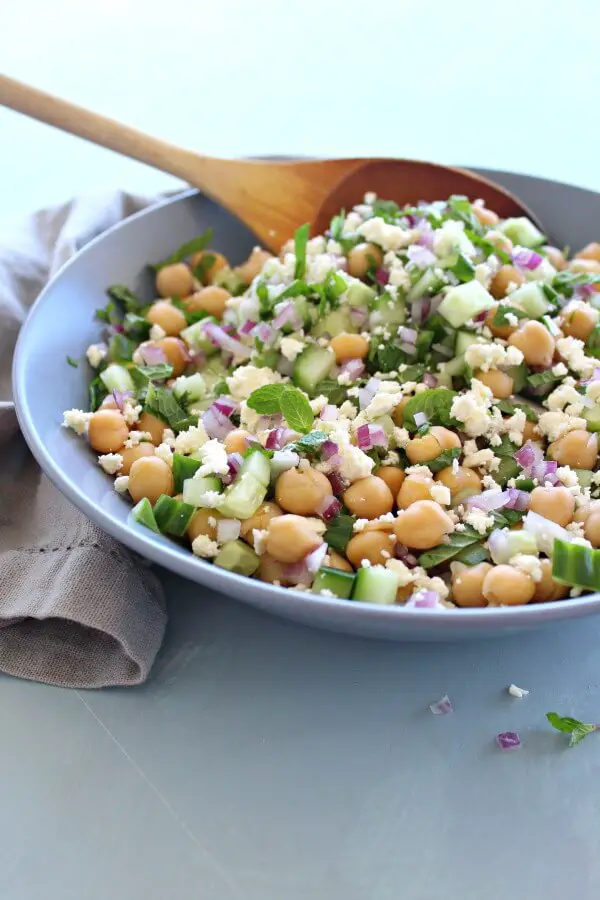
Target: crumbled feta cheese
[(214, 459), (157, 333), (576, 528), (398, 276), (441, 494), (191, 440), (572, 351), (168, 437), (260, 536), (555, 424), (111, 462), (348, 410), (164, 452), (471, 408), (489, 483), (451, 239), (560, 370), (77, 420), (204, 547), (131, 412), (528, 564), (388, 237), (381, 405), (96, 354), (318, 404), (515, 691), (401, 437), (290, 347), (482, 458), (479, 520), (121, 484), (354, 463), (567, 476), (566, 398), (486, 356), (422, 470), (247, 379), (137, 437)]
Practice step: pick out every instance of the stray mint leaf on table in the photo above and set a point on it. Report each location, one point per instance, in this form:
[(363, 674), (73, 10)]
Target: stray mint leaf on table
[(578, 730), (72, 362)]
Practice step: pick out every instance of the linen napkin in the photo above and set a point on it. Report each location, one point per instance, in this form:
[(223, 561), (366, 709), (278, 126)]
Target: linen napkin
[(76, 608)]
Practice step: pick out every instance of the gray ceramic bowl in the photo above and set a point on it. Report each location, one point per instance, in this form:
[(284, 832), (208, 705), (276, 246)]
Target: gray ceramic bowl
[(62, 322)]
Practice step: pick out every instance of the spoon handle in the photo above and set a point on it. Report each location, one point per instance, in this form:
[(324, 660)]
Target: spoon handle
[(103, 131)]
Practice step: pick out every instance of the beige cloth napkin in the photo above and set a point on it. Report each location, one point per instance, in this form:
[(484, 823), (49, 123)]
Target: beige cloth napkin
[(76, 608)]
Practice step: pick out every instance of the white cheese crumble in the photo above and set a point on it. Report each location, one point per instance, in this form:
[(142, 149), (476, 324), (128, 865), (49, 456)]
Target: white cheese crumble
[(566, 398), (121, 484), (482, 458), (137, 437), (381, 405), (214, 459), (515, 691), (388, 237), (77, 420), (96, 354), (204, 547), (191, 440), (528, 564), (555, 424), (260, 536), (131, 412), (572, 351), (471, 408), (291, 347), (441, 494), (486, 356), (247, 379), (479, 520), (164, 452), (111, 462), (157, 333), (451, 238)]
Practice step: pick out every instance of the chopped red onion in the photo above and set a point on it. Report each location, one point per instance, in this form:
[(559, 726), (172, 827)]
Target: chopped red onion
[(442, 707), (198, 361), (329, 449), (226, 405), (120, 397), (481, 317), (228, 530), (529, 455), (358, 316), (329, 413), (518, 500), (263, 332), (489, 500), (420, 419), (183, 347), (328, 508), (508, 740), (404, 555), (429, 380), (152, 355), (221, 339), (423, 600), (337, 482), (531, 459), (408, 334), (352, 367), (276, 438), (369, 436), (426, 235), (115, 328), (216, 424), (382, 276), (526, 259), (314, 560), (247, 326), (420, 256), (585, 290), (234, 462), (442, 350), (287, 315), (366, 394)]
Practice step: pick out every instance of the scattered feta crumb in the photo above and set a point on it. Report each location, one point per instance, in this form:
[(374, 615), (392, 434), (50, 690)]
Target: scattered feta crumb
[(96, 354), (111, 462), (131, 412), (291, 347), (441, 494), (204, 547), (121, 484), (260, 540), (137, 437), (214, 459), (164, 452), (479, 520), (528, 564), (157, 333), (77, 420), (515, 691), (247, 379), (189, 441)]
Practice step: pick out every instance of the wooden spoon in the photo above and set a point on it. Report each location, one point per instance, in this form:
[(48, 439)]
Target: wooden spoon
[(272, 197)]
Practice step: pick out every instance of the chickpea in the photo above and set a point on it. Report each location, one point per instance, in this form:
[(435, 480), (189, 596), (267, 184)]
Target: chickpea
[(555, 257), (362, 257), (369, 498), (486, 216), (155, 427), (337, 561), (579, 323), (414, 488), (176, 353), (590, 251), (398, 412), (393, 477), (253, 266), (548, 589), (461, 483), (349, 346), (291, 538), (301, 491), (577, 449), (209, 273), (591, 528), (202, 523), (499, 383), (423, 449), (535, 343), (554, 503), (500, 241), (131, 454), (467, 585), (166, 316), (150, 477), (447, 439), (107, 430), (500, 331), (270, 570), (423, 525), (236, 441), (213, 299), (174, 281), (259, 521), (375, 546), (585, 266), (507, 586), (504, 277), (530, 432)]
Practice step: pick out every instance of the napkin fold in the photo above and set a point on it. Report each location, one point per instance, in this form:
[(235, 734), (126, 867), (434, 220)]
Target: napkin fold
[(76, 608)]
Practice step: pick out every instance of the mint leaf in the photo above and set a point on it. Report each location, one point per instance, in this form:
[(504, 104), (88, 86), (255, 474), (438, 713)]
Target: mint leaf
[(162, 404), (445, 459), (300, 242), (296, 410), (72, 362), (508, 409), (136, 327), (336, 226), (204, 266), (265, 304), (339, 532), (126, 298), (435, 403), (539, 379), (387, 210), (120, 348), (266, 400), (503, 311), (473, 555), (298, 288), (566, 282), (460, 208), (193, 246), (97, 391), (457, 541), (142, 374), (310, 443), (506, 518), (463, 268), (578, 730), (505, 447), (335, 393)]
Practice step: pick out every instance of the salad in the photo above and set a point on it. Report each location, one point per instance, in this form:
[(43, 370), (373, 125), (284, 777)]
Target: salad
[(404, 410)]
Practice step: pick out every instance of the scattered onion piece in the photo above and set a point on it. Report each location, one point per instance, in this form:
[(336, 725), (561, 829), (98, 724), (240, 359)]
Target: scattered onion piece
[(508, 740), (442, 707)]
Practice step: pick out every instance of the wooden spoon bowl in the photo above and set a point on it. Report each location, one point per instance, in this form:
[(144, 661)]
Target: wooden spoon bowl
[(272, 197)]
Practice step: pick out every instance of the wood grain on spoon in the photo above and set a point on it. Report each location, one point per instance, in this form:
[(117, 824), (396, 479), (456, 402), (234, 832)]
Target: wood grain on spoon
[(272, 197)]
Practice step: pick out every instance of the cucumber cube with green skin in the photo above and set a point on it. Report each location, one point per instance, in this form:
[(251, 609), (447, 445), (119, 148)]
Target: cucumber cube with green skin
[(466, 339), (242, 498), (236, 556), (181, 516), (360, 294), (258, 465), (312, 366), (512, 543), (190, 387), (336, 581), (117, 378), (531, 299), (184, 467), (194, 489), (429, 282), (592, 417), (387, 311), (375, 585), (464, 302), (143, 514), (163, 510), (334, 323), (522, 232), (196, 339), (576, 565)]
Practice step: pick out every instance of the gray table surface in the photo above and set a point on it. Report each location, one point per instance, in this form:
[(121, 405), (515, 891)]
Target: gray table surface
[(265, 761)]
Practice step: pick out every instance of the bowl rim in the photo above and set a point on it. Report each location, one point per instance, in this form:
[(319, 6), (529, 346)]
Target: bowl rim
[(219, 579)]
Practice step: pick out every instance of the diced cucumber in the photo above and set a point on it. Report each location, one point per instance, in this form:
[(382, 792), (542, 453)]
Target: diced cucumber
[(360, 294), (334, 323), (428, 283), (504, 544), (375, 585), (117, 378), (454, 367), (584, 477), (184, 467), (508, 468), (163, 510), (519, 376), (304, 310), (576, 565), (197, 340), (546, 532), (192, 387), (177, 522), (592, 345), (312, 366), (531, 299), (465, 301), (242, 498), (544, 272), (214, 372), (227, 278), (282, 461), (235, 556), (257, 463), (388, 312), (194, 489), (336, 581), (142, 513), (386, 422), (466, 339), (522, 231), (592, 417), (268, 359), (444, 376)]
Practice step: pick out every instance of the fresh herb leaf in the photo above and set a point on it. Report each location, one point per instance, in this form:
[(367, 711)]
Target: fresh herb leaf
[(457, 542), (136, 327), (97, 391), (550, 293), (566, 282), (298, 288), (339, 532), (204, 266), (120, 349), (142, 374), (506, 518), (435, 403), (540, 379), (311, 443), (463, 269), (386, 210), (265, 304), (266, 400), (336, 225), (300, 242), (161, 403), (445, 459), (503, 311), (72, 362), (220, 388), (460, 208), (194, 246), (413, 373), (509, 410), (487, 247), (592, 345), (473, 555), (126, 298), (505, 447), (296, 410), (335, 393), (578, 730)]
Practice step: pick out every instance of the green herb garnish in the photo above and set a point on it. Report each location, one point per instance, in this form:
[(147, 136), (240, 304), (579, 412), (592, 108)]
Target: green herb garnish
[(311, 443), (339, 532), (457, 542), (266, 400), (194, 246), (435, 403), (500, 317), (445, 459), (72, 362), (578, 730), (296, 410), (540, 379), (300, 242), (161, 403), (463, 268)]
